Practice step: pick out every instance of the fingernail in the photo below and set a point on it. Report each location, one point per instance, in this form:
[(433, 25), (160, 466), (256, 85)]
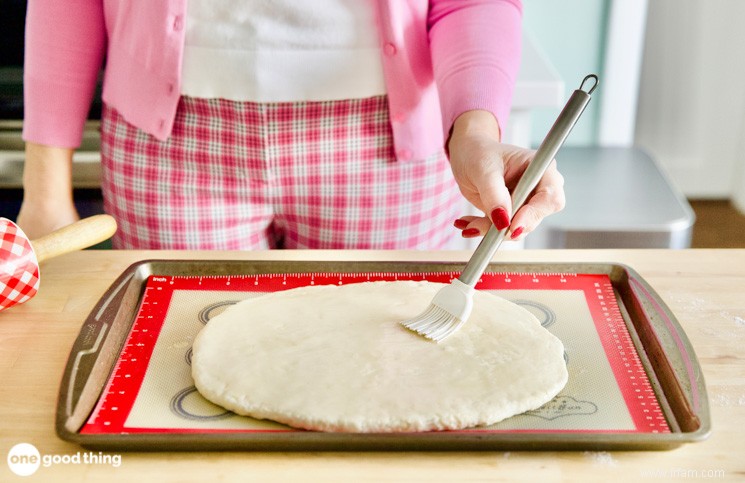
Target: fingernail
[(500, 219), (470, 233), (517, 232), (460, 224)]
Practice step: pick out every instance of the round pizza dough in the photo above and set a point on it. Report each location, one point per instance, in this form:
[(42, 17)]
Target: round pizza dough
[(335, 358)]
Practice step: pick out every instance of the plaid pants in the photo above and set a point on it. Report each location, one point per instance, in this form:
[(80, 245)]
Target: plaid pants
[(244, 175)]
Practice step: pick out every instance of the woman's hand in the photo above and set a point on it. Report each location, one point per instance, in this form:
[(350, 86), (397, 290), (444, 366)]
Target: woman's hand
[(47, 190), (487, 171)]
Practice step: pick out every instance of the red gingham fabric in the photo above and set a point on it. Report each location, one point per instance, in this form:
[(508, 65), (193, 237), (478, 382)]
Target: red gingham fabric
[(243, 175), (19, 272)]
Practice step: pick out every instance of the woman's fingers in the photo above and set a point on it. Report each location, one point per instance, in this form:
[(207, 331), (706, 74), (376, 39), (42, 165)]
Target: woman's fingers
[(472, 226), (546, 199)]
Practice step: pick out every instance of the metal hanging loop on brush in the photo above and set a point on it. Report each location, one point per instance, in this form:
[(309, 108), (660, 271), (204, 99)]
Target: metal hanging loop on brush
[(533, 174)]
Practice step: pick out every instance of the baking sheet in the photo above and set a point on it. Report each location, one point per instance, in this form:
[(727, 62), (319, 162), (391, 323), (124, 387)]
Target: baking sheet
[(614, 397)]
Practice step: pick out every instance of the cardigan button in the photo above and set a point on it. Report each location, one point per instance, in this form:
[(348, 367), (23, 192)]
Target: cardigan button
[(405, 154), (389, 49), (178, 23), (398, 117)]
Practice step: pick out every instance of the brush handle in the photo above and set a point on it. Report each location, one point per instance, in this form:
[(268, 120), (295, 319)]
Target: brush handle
[(81, 234), (528, 181)]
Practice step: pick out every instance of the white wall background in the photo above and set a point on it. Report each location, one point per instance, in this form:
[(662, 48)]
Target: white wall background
[(691, 110), (672, 82)]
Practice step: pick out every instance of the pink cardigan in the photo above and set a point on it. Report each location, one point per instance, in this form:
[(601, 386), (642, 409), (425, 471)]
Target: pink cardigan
[(440, 59)]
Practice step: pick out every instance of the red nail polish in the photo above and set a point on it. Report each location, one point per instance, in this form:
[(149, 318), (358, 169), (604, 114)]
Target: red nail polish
[(517, 232), (470, 233), (500, 218), (460, 224)]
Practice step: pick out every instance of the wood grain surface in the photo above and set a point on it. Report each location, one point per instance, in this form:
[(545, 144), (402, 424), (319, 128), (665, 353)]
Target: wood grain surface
[(704, 288)]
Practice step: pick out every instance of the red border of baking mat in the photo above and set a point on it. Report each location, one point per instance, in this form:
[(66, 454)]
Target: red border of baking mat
[(121, 391)]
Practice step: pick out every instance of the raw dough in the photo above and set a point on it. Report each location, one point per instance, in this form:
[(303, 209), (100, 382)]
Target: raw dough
[(335, 358)]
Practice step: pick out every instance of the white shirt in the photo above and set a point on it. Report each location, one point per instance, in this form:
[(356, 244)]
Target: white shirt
[(282, 50)]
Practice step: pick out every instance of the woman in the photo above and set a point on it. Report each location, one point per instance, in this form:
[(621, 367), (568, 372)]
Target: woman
[(251, 124)]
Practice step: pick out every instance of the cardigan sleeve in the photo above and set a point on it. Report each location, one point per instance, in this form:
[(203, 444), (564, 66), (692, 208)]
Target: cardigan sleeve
[(475, 47), (64, 49)]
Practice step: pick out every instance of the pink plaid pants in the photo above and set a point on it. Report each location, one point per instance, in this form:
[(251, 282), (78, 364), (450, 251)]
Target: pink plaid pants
[(243, 176)]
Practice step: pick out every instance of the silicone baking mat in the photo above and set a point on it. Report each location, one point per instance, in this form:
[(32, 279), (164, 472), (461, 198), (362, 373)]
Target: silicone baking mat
[(150, 389)]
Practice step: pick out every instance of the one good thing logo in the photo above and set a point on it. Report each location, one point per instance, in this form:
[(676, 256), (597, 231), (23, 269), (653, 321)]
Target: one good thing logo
[(24, 459)]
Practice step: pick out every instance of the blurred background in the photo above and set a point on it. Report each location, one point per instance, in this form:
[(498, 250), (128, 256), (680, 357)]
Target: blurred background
[(655, 162), (672, 89)]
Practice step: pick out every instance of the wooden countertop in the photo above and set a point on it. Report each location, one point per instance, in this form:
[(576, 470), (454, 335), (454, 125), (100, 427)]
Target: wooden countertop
[(705, 289)]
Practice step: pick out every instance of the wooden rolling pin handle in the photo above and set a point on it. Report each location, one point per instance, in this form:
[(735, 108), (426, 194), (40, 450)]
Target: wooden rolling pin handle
[(76, 236)]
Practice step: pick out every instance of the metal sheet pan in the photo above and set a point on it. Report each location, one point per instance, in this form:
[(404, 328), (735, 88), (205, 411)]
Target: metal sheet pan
[(660, 342)]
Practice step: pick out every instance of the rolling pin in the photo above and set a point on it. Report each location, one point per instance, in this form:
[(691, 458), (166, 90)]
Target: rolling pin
[(20, 257)]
